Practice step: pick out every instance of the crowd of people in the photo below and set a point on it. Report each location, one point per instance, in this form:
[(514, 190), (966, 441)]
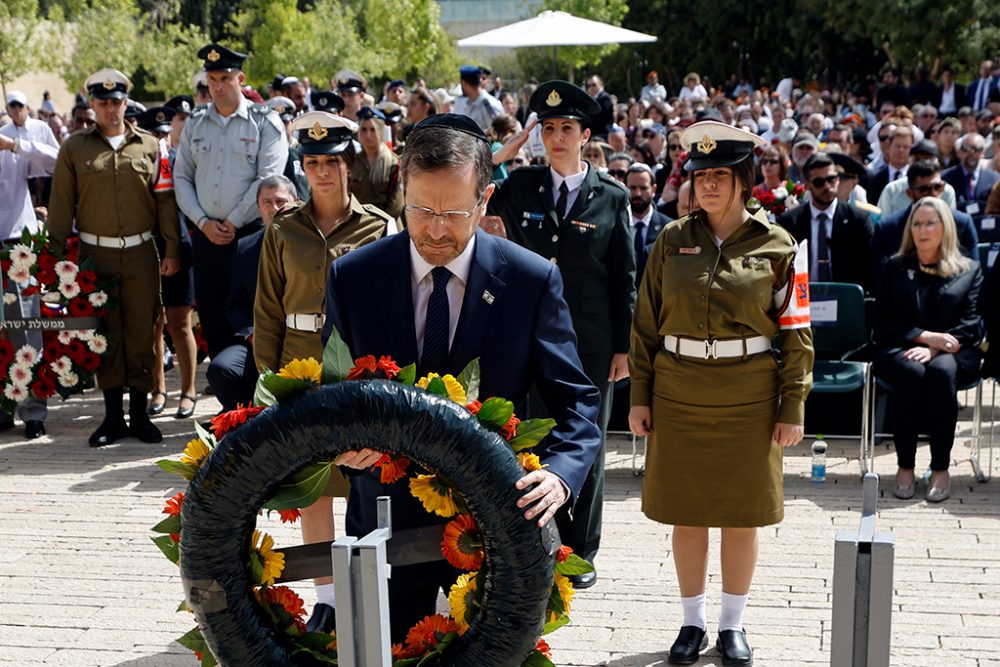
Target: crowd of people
[(670, 236)]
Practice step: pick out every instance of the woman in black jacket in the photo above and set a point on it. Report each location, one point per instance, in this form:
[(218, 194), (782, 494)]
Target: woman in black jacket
[(927, 328)]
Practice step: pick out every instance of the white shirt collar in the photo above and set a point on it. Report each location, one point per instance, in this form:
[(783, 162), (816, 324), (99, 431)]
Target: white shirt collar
[(645, 219), (460, 266), (830, 210), (242, 109), (573, 181)]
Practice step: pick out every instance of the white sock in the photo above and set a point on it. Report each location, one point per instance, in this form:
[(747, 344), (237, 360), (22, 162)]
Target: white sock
[(731, 617), (325, 594), (694, 611)]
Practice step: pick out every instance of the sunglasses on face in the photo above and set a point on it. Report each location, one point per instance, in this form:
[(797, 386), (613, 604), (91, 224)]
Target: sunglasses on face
[(618, 173), (770, 160), (883, 137), (820, 181), (673, 147), (929, 188)]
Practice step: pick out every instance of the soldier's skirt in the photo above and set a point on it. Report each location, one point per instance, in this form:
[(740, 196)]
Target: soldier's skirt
[(710, 460)]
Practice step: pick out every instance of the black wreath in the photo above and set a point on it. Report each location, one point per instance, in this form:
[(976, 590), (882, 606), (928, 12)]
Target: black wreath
[(220, 512)]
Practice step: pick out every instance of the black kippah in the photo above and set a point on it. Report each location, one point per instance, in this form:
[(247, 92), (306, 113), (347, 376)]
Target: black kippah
[(451, 121)]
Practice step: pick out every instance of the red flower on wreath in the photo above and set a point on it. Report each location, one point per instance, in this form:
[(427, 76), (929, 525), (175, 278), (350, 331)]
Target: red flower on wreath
[(474, 407), (364, 367), (87, 280), (289, 516), (31, 291), (51, 351), (90, 362), (391, 468), (509, 429), (462, 544), (79, 307), (76, 351), (388, 366), (73, 249), (43, 388), (6, 352), (173, 507), (428, 633), (227, 421), (563, 553), (543, 647)]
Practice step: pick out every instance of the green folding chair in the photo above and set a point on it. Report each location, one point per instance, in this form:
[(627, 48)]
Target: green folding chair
[(837, 311)]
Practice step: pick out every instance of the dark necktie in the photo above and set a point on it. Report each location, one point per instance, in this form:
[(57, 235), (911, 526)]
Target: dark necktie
[(971, 187), (823, 251), (640, 242), (436, 326), (561, 203)]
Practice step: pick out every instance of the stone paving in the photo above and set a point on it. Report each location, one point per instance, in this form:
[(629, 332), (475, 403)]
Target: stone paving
[(82, 585)]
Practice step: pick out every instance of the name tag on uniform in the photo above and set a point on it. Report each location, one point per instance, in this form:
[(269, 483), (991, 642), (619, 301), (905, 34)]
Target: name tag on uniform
[(248, 140), (533, 217), (695, 250)]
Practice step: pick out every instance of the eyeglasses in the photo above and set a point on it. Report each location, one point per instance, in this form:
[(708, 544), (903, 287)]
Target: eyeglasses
[(673, 147), (620, 174), (423, 215), (972, 149), (770, 160), (929, 188), (820, 181)]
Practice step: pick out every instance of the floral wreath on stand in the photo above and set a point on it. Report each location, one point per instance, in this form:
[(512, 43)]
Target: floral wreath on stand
[(461, 543), (68, 291)]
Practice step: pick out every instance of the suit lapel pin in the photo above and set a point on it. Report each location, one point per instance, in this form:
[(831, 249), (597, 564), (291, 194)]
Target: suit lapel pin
[(487, 297), (590, 196), (541, 188), (911, 273)]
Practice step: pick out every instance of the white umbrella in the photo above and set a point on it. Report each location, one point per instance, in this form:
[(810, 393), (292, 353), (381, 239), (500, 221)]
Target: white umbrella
[(555, 29)]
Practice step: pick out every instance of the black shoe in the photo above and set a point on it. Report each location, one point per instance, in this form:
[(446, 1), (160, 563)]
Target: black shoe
[(734, 648), (690, 642), (110, 430), (184, 413), (323, 619), (34, 429), (6, 425), (157, 408), (144, 430), (585, 580)]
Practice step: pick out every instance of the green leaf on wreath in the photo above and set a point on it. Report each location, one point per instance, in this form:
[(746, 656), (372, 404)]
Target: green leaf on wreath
[(552, 626), (337, 360), (26, 237), (315, 641), (556, 604), (496, 412), (536, 659), (256, 567), (194, 641), (169, 548), (438, 387), (302, 489), (185, 470), (183, 606), (531, 432), (407, 375), (469, 379), (205, 435), (262, 397), (283, 388), (172, 524), (574, 565), (316, 655)]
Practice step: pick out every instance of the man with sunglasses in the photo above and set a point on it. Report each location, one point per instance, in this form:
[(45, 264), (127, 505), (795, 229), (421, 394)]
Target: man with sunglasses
[(972, 183), (924, 179), (839, 234)]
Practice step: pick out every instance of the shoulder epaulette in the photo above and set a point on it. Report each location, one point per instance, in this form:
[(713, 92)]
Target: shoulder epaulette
[(376, 211)]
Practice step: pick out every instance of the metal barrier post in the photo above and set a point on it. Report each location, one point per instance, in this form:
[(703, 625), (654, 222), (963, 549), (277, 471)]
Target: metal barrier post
[(862, 590)]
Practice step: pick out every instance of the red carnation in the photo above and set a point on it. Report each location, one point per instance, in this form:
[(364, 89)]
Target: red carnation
[(87, 280), (364, 367), (388, 366)]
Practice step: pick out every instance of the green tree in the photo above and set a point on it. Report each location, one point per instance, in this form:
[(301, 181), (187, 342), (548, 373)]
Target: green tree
[(406, 37), (21, 31), (104, 34), (169, 58)]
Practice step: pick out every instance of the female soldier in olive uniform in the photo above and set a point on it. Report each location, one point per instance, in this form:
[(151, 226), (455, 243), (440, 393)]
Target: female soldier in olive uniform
[(299, 246), (720, 284), (375, 174)]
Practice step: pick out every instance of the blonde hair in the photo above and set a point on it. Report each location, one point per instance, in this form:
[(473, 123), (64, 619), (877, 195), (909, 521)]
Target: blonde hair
[(951, 261)]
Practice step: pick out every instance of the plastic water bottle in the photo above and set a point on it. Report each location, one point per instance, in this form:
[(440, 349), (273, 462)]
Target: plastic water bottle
[(819, 460)]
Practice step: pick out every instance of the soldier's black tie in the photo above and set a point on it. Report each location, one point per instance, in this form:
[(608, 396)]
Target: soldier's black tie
[(561, 203), (435, 352), (823, 251)]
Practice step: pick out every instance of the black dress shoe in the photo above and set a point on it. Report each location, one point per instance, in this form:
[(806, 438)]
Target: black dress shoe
[(690, 642), (323, 619), (585, 580), (110, 430), (144, 430), (34, 429), (734, 648), (184, 413), (157, 408)]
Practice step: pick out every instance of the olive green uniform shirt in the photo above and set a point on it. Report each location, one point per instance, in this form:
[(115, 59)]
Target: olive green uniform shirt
[(695, 289), (379, 183), (110, 192), (294, 263)]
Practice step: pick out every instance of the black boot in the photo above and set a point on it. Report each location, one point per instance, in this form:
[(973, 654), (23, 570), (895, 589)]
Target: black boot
[(114, 425), (139, 424)]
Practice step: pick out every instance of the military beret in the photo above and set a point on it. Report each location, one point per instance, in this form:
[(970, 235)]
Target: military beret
[(322, 133), (180, 104), (108, 84), (562, 99), (450, 121), (326, 100), (711, 144), (219, 58)]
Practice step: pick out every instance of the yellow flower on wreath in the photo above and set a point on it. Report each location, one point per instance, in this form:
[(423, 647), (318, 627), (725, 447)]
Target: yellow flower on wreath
[(434, 494), (461, 598), (309, 370), (453, 386), (195, 452), (566, 592), (272, 562), (530, 462)]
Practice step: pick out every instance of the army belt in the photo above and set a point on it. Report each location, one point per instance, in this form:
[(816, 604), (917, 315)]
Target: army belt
[(115, 241), (304, 322), (716, 349)]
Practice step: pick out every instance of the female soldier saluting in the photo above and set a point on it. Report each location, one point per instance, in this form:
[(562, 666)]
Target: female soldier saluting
[(720, 284)]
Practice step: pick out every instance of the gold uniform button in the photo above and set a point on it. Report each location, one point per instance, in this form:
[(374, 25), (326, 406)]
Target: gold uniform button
[(701, 325), (554, 260), (555, 237)]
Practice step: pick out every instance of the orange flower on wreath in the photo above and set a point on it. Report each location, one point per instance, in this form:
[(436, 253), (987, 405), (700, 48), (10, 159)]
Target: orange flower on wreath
[(474, 407), (173, 507), (543, 647), (428, 633), (227, 421), (289, 516), (363, 367), (462, 544), (400, 652), (287, 599), (388, 366), (509, 429), (563, 554), (391, 468)]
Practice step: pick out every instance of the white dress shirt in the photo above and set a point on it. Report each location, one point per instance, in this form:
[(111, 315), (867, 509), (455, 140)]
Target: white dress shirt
[(814, 234), (36, 153), (422, 284), (574, 182), (644, 220)]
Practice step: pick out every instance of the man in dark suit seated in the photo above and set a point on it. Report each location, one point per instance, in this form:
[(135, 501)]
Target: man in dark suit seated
[(971, 181), (897, 160), (925, 180), (441, 294), (839, 234), (232, 372), (646, 220)]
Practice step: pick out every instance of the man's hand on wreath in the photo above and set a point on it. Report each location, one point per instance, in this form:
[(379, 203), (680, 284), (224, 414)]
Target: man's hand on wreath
[(169, 267), (358, 458), (547, 496)]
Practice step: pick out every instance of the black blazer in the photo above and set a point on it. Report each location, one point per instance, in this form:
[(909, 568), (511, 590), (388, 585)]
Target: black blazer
[(959, 98), (850, 242), (955, 176), (243, 283), (899, 317), (889, 230), (656, 225), (876, 184)]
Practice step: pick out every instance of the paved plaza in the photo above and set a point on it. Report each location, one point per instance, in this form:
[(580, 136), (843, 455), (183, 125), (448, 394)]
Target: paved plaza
[(81, 583)]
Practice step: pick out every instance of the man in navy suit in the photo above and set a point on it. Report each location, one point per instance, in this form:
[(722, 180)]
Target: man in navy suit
[(646, 221), (971, 181), (977, 93), (925, 180), (441, 294)]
